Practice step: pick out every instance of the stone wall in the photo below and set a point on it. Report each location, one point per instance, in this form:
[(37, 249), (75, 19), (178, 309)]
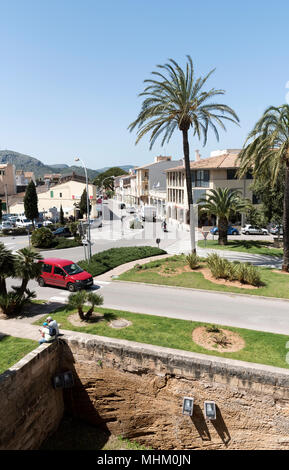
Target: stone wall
[(31, 408), (137, 392)]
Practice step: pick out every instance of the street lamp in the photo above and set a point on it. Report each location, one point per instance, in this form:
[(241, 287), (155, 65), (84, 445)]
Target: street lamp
[(77, 159)]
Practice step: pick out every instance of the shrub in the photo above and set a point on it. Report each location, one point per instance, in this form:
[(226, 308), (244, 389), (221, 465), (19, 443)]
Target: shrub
[(193, 260), (42, 238), (219, 267), (135, 224), (212, 329), (109, 259), (242, 272), (15, 231)]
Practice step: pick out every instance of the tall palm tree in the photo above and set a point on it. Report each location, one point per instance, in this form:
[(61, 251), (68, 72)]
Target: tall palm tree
[(267, 145), (27, 267), (223, 203), (176, 100)]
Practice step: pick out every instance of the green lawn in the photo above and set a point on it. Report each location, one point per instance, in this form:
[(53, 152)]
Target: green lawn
[(257, 247), (261, 347), (275, 284), (13, 349)]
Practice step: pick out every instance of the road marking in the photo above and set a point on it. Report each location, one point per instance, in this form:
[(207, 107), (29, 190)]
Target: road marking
[(105, 283)]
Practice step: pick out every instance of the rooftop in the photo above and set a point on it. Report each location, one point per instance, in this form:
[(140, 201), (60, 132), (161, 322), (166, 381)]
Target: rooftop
[(226, 160)]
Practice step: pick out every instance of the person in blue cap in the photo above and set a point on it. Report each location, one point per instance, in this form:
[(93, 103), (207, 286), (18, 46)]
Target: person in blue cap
[(46, 338)]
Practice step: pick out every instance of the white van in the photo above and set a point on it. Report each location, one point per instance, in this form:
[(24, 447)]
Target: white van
[(23, 222), (148, 213)]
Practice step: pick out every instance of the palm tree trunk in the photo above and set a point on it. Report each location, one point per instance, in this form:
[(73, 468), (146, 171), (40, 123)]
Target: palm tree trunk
[(223, 231), (80, 313), (186, 149), (285, 266)]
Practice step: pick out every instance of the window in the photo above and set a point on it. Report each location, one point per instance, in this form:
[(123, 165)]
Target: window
[(46, 268), (59, 271), (200, 178), (231, 174), (249, 175), (60, 194)]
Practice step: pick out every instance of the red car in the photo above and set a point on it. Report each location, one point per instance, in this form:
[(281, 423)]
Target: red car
[(64, 273)]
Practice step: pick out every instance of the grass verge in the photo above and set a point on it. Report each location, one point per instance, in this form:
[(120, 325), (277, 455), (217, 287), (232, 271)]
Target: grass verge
[(168, 272), (260, 347), (13, 349), (257, 247)]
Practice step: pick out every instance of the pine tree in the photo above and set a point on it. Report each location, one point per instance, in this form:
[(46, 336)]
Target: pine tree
[(31, 202), (83, 204), (61, 216)]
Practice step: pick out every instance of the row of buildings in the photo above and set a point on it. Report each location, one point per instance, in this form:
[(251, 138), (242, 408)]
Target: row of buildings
[(53, 191), (163, 184)]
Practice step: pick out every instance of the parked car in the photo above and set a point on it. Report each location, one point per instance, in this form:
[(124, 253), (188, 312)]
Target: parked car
[(62, 232), (254, 230), (45, 223), (64, 273), (131, 210), (274, 230), (23, 222), (230, 231), (6, 225)]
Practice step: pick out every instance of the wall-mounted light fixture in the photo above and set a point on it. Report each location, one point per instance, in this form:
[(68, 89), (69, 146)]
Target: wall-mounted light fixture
[(188, 406), (64, 380), (210, 409)]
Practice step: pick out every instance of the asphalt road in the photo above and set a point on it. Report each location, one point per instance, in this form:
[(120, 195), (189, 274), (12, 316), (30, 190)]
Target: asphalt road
[(188, 304)]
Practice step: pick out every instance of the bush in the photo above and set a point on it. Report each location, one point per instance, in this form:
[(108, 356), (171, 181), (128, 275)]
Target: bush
[(15, 231), (242, 272), (193, 260), (42, 238), (109, 259)]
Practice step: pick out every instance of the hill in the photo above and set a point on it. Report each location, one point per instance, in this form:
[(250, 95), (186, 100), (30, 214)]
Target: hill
[(27, 163)]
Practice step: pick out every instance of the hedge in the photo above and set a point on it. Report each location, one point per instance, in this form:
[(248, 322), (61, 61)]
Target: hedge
[(109, 259)]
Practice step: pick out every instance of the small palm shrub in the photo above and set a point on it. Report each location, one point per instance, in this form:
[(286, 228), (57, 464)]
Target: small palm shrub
[(79, 299), (193, 260), (242, 272), (219, 267), (42, 238)]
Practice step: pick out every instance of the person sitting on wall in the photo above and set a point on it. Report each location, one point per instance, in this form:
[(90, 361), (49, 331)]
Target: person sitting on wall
[(53, 324), (46, 333)]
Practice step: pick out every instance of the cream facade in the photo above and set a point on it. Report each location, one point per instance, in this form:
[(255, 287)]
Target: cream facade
[(66, 194), (7, 179), (217, 171)]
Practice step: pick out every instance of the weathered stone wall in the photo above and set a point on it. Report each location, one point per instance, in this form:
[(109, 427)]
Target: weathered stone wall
[(137, 391), (30, 407)]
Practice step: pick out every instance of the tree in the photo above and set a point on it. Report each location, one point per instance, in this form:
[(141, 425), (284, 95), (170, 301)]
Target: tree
[(0, 209), (83, 204), (105, 179), (7, 261), (267, 145), (61, 216), (78, 299), (31, 202), (176, 100), (27, 267), (223, 203)]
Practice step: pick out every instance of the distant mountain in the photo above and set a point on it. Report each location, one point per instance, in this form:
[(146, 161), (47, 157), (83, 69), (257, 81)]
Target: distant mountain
[(123, 167), (27, 163)]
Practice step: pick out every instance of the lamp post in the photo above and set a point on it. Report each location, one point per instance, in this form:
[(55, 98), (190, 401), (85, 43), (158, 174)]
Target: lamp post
[(77, 159)]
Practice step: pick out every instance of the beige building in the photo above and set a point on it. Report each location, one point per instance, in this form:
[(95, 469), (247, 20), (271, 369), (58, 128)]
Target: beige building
[(219, 170), (7, 179), (66, 194)]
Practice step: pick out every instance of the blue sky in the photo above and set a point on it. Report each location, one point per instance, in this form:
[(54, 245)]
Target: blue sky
[(71, 71)]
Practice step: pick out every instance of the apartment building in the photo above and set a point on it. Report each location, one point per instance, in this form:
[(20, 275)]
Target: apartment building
[(125, 188), (219, 170)]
